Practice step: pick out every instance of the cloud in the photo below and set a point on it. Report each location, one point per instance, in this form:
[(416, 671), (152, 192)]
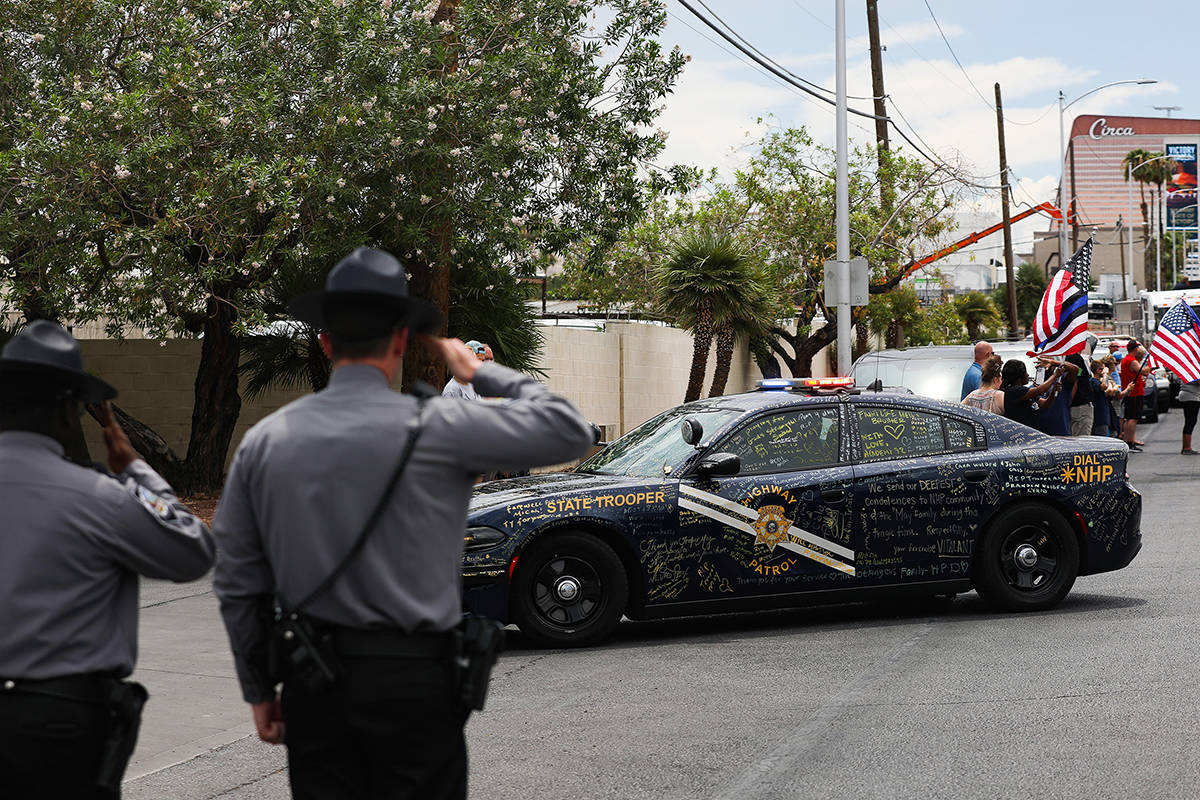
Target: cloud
[(905, 33)]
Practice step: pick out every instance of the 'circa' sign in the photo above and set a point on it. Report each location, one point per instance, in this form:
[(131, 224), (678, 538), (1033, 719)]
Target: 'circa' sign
[(1100, 128)]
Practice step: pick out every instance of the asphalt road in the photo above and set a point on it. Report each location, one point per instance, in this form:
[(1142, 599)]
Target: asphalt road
[(1098, 698)]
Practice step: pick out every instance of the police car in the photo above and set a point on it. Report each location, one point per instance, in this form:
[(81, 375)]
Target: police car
[(804, 491)]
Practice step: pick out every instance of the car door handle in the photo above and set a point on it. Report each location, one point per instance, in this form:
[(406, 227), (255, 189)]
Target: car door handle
[(975, 475), (833, 495)]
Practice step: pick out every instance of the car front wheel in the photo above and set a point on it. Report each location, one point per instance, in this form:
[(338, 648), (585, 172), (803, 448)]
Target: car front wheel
[(569, 590), (1027, 559)]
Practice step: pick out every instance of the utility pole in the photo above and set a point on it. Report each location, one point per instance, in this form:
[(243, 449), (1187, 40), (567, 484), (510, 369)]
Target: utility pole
[(842, 195), (881, 126), (1121, 247), (1009, 268)]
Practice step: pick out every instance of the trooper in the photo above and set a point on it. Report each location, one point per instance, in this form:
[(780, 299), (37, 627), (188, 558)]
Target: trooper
[(346, 510), (74, 539)]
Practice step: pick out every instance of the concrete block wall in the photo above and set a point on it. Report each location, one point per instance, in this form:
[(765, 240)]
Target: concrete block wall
[(617, 377)]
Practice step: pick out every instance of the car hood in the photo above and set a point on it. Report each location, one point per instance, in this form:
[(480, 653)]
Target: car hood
[(511, 490)]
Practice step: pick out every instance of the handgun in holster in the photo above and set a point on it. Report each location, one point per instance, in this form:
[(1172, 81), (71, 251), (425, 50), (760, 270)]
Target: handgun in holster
[(125, 720), (480, 641)]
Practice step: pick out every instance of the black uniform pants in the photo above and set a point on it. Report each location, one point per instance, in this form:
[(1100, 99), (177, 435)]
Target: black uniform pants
[(390, 729), (50, 747)]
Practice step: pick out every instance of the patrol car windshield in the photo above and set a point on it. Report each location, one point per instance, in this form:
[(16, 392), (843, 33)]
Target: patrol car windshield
[(656, 448)]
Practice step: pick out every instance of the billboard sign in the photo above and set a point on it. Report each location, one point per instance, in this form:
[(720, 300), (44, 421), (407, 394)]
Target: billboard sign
[(1181, 189)]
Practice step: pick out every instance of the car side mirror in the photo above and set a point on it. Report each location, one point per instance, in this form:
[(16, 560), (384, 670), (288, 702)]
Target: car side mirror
[(691, 430), (719, 465)]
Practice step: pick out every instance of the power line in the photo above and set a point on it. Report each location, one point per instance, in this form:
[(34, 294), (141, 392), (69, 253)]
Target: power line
[(811, 14), (742, 39), (954, 55), (784, 77)]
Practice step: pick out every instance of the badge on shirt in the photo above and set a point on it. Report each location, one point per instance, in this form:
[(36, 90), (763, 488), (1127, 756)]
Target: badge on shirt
[(157, 506)]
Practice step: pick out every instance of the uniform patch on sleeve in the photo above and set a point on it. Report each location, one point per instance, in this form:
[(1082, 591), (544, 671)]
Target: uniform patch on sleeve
[(155, 504)]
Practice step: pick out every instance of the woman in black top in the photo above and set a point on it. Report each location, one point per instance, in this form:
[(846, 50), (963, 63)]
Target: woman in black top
[(1019, 396)]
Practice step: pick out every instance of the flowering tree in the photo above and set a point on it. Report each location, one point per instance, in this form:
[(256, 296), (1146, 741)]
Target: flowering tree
[(161, 161)]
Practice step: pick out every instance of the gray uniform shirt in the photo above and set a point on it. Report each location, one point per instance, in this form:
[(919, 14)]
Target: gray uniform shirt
[(72, 542), (306, 478)]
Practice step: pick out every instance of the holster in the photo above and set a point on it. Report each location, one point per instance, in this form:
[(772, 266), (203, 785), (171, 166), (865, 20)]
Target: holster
[(479, 643), (301, 651), (125, 708)]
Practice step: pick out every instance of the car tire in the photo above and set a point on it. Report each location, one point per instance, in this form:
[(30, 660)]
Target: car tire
[(569, 590), (1027, 559)]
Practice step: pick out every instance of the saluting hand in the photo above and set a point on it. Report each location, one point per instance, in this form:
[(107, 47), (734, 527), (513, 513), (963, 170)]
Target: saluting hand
[(459, 358), (120, 452)]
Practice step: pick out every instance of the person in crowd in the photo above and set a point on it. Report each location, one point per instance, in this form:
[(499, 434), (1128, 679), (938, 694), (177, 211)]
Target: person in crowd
[(1023, 400), (74, 539), (971, 380), (465, 391), (1112, 390), (1100, 405), (1134, 369), (1082, 412), (988, 397), (1189, 398), (1055, 416), (345, 509)]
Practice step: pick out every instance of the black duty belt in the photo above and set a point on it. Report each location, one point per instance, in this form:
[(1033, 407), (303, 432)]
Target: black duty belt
[(390, 643), (79, 688)]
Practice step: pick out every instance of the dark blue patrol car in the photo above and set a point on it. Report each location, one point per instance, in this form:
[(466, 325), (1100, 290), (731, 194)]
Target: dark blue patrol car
[(794, 494)]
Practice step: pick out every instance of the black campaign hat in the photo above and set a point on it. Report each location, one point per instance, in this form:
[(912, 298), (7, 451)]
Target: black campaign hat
[(369, 281), (46, 349)]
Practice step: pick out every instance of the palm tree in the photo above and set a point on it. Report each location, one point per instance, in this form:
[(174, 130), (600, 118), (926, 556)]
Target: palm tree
[(707, 284), (1132, 161), (977, 311)]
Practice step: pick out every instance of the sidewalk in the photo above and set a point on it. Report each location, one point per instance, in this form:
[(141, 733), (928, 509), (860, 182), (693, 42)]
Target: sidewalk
[(195, 705)]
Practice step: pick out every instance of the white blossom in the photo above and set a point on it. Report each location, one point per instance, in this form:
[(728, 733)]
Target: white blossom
[(86, 105), (497, 137), (370, 33), (502, 107), (551, 115), (328, 79), (37, 37), (329, 199), (121, 171), (223, 121), (63, 118), (425, 199), (342, 119), (432, 126), (145, 57), (341, 182), (396, 141), (315, 21), (202, 205), (553, 139)]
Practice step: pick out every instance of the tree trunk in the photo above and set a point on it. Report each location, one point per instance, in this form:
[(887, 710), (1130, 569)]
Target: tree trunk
[(432, 280), (153, 449), (702, 336), (317, 364), (725, 341), (217, 402)]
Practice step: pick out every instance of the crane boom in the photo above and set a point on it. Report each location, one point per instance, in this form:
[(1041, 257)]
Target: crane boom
[(913, 266)]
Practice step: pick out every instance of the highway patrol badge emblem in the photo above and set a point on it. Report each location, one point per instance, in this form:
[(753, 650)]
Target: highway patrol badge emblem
[(771, 526)]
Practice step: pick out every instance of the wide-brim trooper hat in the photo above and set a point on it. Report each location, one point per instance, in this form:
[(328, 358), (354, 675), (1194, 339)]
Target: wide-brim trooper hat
[(46, 348), (371, 281)]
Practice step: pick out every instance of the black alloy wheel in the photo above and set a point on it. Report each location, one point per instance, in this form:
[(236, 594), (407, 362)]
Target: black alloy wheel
[(569, 590), (1027, 559)]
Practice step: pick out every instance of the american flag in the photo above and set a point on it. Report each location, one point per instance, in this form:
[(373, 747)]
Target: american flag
[(1176, 343), (1061, 327)]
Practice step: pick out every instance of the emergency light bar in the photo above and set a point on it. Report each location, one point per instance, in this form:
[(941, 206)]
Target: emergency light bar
[(810, 385)]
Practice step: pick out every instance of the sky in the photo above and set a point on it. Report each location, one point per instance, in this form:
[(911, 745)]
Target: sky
[(1032, 49)]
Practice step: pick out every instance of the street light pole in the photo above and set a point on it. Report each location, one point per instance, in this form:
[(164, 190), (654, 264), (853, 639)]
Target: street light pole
[(1146, 241), (1062, 153), (842, 196)]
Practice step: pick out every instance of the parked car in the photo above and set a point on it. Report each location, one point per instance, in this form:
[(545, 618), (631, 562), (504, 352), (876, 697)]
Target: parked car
[(797, 494)]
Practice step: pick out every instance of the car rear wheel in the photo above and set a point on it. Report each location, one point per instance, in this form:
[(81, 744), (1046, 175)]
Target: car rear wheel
[(1027, 559), (569, 590)]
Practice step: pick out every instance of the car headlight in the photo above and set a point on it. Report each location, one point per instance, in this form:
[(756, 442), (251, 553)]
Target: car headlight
[(482, 537)]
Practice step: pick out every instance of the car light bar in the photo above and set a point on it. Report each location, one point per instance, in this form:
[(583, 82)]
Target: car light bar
[(803, 384)]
